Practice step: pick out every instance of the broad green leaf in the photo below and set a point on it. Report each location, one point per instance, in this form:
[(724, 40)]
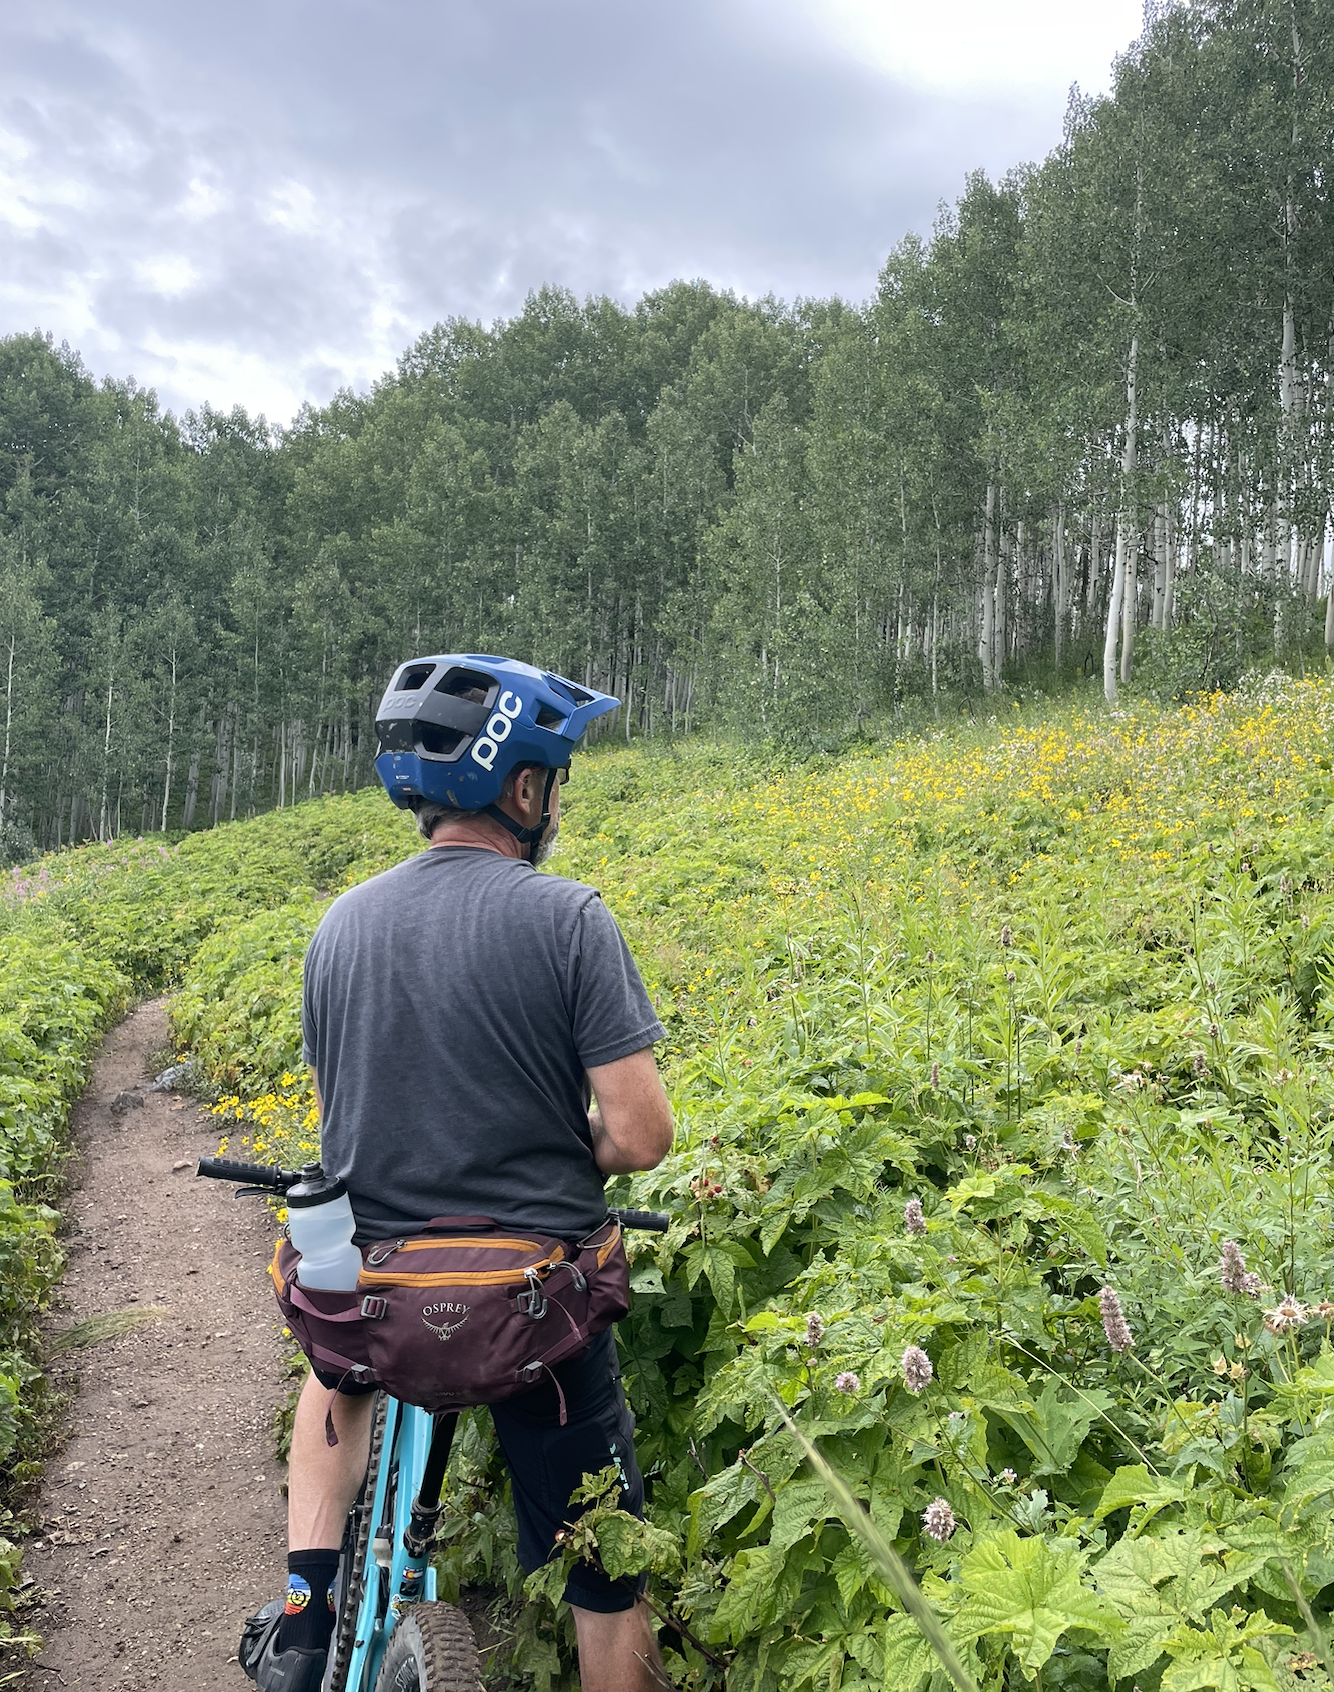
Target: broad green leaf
[(799, 1504), (1223, 1655), (1135, 1485), (1055, 1427), (1139, 1646), (646, 1278), (1030, 1591), (752, 1578), (999, 1389), (627, 1545), (973, 1187), (1077, 1221), (908, 1657)]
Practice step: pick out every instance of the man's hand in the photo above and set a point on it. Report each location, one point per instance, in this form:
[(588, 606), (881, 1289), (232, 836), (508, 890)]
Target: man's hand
[(632, 1124)]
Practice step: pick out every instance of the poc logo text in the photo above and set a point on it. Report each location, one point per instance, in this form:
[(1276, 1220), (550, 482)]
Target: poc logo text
[(486, 745)]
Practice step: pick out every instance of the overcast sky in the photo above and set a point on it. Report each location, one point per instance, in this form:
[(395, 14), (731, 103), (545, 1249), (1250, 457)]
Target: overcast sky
[(260, 203)]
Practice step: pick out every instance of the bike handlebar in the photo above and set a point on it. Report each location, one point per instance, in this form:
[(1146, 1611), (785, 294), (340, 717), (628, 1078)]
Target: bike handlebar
[(256, 1174), (278, 1180), (652, 1221)]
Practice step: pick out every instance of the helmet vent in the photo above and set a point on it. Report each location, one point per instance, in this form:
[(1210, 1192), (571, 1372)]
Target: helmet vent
[(576, 695), (413, 678), (467, 684), (548, 717), (440, 742)]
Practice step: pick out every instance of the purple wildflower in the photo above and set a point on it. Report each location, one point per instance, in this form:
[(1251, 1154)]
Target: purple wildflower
[(814, 1329), (1114, 1323), (1233, 1273), (938, 1520), (917, 1370), (847, 1382), (914, 1218)]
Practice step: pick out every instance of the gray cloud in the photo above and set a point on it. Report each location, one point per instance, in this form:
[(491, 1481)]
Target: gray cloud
[(263, 202)]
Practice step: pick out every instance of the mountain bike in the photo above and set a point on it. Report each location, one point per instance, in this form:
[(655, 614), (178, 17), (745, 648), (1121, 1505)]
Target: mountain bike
[(392, 1632)]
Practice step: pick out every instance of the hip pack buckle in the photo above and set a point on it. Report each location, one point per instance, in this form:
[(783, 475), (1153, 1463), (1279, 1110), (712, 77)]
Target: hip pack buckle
[(533, 1302)]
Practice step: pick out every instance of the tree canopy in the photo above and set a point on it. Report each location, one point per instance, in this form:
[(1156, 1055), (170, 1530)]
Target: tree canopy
[(1084, 428)]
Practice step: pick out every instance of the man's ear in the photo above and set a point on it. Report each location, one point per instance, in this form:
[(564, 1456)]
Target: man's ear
[(526, 791)]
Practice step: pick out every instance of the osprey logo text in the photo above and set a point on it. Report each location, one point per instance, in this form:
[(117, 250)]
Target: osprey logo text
[(485, 747), (446, 1329)]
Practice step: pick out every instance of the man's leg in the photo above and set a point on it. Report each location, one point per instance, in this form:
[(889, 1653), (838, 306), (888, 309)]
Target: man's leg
[(323, 1479), (618, 1650), (548, 1453), (285, 1645), (322, 1483)]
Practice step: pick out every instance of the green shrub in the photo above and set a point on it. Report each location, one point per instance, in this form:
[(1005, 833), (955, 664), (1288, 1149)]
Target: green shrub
[(1064, 983)]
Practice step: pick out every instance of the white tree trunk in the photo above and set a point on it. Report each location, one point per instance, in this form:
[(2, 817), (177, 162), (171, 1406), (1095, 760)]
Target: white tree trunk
[(104, 817), (171, 741), (1001, 639), (1159, 565), (9, 720), (1114, 599), (1129, 604), (1121, 603), (986, 644), (1061, 580)]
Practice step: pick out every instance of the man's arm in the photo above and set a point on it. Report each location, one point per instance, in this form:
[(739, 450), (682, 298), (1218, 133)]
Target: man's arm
[(632, 1122)]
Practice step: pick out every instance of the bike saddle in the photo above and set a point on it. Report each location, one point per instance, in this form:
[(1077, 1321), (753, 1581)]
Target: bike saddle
[(273, 1670)]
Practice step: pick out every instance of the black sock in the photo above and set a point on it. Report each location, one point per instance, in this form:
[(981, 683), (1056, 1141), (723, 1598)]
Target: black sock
[(308, 1619)]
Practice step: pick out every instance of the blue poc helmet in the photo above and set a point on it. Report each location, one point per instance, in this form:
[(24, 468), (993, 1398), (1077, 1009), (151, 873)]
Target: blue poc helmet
[(453, 727)]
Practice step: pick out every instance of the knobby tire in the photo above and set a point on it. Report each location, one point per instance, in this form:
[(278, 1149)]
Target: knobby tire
[(356, 1550), (430, 1650)]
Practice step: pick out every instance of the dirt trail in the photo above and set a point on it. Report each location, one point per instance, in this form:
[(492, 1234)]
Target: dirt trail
[(162, 1523)]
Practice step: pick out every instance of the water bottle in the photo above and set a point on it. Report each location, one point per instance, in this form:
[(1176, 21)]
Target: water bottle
[(321, 1225)]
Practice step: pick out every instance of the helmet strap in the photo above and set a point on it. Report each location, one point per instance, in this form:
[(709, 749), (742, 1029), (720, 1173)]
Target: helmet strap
[(529, 837)]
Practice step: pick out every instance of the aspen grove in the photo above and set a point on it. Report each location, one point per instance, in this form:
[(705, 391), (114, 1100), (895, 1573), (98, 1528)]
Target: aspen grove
[(1083, 431)]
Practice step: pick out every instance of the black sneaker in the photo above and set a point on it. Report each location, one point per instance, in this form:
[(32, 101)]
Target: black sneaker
[(273, 1670)]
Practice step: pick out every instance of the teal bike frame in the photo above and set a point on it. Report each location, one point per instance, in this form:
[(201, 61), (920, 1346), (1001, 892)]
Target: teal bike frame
[(403, 1507)]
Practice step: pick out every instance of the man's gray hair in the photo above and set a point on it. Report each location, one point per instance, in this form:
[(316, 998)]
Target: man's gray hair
[(430, 816)]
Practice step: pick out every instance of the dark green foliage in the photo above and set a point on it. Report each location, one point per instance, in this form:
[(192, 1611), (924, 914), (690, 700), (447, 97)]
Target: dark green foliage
[(785, 522), (1065, 983)]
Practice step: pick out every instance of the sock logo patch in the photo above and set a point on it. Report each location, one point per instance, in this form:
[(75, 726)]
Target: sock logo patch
[(298, 1596)]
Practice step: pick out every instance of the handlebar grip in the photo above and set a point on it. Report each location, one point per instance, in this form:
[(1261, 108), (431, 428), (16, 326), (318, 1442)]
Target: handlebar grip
[(257, 1174), (651, 1221)]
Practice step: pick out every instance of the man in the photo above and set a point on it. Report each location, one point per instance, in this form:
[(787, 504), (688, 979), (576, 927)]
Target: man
[(457, 1010)]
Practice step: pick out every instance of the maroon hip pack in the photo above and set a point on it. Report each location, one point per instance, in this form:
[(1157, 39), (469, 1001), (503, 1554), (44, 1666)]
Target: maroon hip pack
[(462, 1313)]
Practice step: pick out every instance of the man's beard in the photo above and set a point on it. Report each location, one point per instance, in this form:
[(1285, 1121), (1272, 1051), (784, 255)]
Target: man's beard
[(548, 845)]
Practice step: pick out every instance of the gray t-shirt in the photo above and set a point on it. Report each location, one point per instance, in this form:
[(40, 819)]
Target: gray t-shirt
[(451, 1008)]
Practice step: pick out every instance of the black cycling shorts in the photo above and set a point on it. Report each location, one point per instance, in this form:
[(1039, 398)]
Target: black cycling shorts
[(547, 1461)]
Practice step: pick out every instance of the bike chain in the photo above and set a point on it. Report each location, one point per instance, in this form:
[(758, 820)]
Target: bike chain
[(346, 1635)]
